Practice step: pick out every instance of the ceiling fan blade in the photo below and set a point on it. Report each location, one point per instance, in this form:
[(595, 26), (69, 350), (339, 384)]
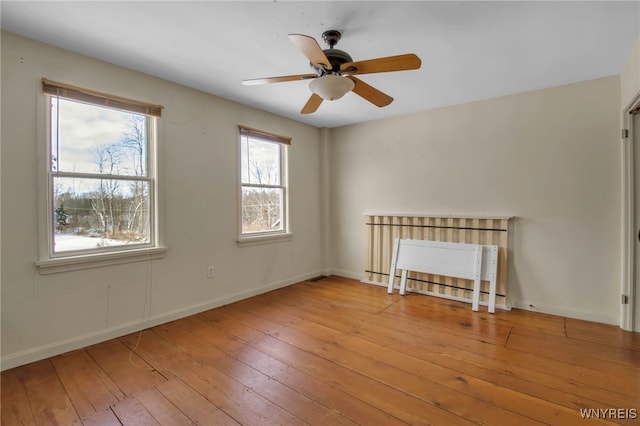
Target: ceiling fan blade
[(311, 50), (268, 80), (408, 61), (312, 104), (370, 93)]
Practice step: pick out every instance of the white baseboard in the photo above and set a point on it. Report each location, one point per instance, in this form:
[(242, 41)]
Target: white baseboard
[(77, 342), (532, 307), (346, 274), (564, 311)]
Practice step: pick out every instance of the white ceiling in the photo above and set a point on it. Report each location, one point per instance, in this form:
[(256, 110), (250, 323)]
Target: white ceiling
[(469, 50)]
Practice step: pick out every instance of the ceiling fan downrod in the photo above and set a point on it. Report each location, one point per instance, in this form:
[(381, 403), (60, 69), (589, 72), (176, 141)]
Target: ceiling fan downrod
[(331, 37), (336, 57)]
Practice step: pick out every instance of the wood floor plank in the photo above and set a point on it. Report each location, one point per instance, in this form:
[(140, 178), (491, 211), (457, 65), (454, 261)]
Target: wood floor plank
[(198, 339), (461, 345), (162, 409), (16, 409), (451, 354), (199, 410), (126, 369), (259, 322), (459, 321), (426, 390), (309, 387), (602, 333), (570, 372), (163, 357), (349, 406), (573, 351), (349, 301), (298, 404), (402, 405), (50, 404), (403, 356), (399, 404), (349, 291), (102, 418), (414, 411), (550, 324), (241, 331), (338, 352), (131, 412), (87, 385), (236, 400)]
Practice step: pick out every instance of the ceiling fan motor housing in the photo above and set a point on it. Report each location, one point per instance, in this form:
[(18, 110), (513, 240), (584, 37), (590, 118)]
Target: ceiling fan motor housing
[(336, 57)]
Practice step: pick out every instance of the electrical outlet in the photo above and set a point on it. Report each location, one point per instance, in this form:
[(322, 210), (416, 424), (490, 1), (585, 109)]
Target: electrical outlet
[(210, 272)]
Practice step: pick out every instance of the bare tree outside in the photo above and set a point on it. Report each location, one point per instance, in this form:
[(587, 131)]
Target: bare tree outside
[(107, 202), (262, 190), (135, 143), (108, 160)]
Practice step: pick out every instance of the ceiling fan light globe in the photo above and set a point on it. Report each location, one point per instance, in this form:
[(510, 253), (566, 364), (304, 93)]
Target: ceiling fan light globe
[(331, 86)]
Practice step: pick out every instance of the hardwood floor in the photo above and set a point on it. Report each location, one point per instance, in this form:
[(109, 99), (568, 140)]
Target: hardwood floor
[(338, 352)]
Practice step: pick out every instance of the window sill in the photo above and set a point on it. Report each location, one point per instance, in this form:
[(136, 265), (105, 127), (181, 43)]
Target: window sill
[(74, 263), (263, 239)]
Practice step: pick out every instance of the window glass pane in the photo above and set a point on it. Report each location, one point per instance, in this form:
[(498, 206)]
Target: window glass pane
[(262, 209), (97, 213), (90, 139), (260, 162)]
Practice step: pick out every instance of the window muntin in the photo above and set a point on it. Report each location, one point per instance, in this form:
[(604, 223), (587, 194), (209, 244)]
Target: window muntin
[(100, 183), (263, 192)]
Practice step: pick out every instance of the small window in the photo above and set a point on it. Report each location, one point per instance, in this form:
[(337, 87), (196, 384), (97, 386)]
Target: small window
[(101, 175), (263, 183)]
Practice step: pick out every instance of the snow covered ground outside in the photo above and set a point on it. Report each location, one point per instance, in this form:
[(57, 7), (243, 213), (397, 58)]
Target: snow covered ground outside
[(71, 242)]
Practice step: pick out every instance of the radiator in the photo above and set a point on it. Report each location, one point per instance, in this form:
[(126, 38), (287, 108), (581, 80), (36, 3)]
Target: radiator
[(383, 229)]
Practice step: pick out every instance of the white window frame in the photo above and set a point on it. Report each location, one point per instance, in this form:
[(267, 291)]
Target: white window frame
[(285, 233), (50, 262)]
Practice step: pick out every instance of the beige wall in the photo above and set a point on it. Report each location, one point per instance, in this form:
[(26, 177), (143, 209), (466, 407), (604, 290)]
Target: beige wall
[(42, 315), (550, 158), (630, 77)]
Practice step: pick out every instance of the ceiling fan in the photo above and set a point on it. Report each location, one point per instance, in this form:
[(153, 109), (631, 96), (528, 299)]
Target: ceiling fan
[(334, 71)]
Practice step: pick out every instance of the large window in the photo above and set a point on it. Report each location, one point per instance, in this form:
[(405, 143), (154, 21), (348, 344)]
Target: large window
[(101, 174), (263, 188)]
